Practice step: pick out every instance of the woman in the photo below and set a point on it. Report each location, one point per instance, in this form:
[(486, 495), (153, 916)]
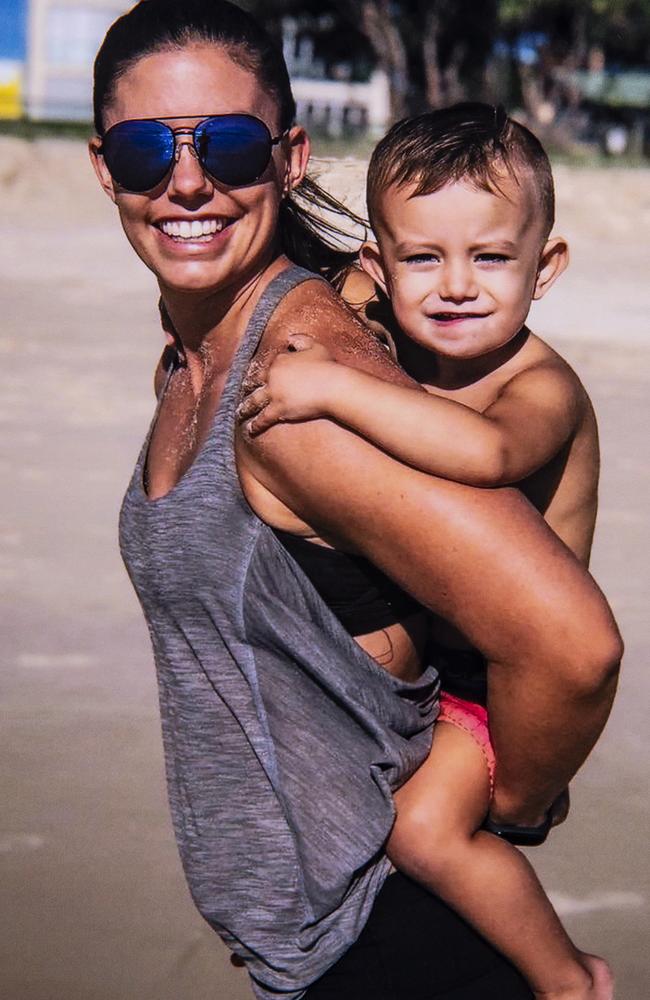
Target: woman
[(284, 739)]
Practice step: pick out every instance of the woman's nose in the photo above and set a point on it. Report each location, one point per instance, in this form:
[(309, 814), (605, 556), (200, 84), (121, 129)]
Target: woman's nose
[(188, 178), (457, 281)]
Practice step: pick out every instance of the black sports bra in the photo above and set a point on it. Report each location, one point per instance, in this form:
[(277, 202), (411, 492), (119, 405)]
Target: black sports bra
[(364, 600), (362, 597)]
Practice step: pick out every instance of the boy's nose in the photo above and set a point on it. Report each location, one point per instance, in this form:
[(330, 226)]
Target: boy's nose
[(457, 281), (188, 177)]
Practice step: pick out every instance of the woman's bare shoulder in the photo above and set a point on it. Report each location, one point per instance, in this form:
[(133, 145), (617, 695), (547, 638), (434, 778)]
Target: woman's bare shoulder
[(316, 309)]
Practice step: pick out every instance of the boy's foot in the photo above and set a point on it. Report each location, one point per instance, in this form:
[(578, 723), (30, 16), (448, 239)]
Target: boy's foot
[(599, 983)]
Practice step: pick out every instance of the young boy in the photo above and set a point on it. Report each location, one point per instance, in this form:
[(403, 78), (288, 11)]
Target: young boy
[(461, 202)]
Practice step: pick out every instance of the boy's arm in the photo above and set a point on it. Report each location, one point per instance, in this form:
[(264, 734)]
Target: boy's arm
[(534, 415)]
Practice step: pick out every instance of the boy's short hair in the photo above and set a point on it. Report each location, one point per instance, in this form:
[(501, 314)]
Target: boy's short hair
[(472, 141)]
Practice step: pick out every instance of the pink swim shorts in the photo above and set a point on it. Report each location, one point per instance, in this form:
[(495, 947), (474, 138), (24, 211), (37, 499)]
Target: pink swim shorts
[(473, 719)]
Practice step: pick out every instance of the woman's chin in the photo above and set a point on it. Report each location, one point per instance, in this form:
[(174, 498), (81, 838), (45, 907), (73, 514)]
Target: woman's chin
[(189, 280)]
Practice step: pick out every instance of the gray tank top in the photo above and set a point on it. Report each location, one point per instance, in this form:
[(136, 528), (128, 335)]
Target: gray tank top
[(282, 738)]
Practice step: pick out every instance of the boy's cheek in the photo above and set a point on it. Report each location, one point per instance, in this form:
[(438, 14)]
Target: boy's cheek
[(412, 287)]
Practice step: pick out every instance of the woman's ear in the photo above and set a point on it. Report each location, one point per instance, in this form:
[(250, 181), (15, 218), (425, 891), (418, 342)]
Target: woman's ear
[(553, 261), (100, 168), (297, 158), (371, 261)]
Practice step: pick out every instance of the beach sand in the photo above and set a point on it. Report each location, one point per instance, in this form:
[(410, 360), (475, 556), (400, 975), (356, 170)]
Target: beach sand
[(95, 904)]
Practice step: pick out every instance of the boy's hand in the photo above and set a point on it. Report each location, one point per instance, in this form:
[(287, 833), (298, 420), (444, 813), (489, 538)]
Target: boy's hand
[(295, 385)]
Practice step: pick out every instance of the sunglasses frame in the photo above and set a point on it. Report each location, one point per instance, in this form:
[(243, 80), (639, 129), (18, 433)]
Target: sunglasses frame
[(273, 141)]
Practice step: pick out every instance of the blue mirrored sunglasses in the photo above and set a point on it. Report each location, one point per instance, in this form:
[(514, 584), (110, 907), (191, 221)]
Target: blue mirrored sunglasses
[(233, 149)]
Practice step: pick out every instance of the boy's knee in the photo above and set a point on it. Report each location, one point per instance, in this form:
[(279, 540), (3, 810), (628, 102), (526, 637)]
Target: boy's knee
[(419, 841)]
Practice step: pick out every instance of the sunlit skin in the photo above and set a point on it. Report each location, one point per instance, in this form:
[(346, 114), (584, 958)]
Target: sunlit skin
[(208, 287)]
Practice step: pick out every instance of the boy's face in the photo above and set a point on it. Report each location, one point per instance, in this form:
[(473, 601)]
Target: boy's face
[(462, 265)]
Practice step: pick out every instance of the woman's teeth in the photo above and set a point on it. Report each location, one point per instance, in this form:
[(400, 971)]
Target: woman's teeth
[(194, 230)]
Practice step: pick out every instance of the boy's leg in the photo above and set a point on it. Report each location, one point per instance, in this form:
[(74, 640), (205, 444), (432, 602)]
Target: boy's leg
[(437, 840)]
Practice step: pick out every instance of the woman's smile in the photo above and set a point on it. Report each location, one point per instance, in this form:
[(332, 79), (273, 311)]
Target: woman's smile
[(192, 235)]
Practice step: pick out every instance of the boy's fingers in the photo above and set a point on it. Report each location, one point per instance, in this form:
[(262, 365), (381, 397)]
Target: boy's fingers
[(257, 371), (265, 419), (253, 403)]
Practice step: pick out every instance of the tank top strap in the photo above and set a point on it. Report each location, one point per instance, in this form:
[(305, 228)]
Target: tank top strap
[(268, 302)]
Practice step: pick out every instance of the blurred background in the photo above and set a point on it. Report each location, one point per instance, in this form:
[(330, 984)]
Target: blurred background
[(94, 905), (576, 69)]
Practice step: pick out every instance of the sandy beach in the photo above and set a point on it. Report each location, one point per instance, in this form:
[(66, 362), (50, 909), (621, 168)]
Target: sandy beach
[(95, 905)]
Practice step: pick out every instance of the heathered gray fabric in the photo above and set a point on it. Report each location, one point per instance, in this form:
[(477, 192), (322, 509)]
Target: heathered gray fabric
[(282, 738)]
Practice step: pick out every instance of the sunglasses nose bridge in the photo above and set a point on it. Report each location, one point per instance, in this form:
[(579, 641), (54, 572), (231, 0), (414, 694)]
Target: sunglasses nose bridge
[(184, 138), (188, 177)]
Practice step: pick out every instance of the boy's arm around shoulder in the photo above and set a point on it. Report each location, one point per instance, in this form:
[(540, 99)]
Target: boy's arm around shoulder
[(484, 560), (534, 415)]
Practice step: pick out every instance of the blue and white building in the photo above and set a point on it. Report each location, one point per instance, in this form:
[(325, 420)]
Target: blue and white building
[(13, 52)]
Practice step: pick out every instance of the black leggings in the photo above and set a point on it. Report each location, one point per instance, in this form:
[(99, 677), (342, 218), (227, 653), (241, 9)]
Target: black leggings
[(415, 948)]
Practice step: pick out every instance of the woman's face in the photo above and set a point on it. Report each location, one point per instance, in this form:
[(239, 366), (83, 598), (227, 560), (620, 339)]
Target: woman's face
[(200, 80)]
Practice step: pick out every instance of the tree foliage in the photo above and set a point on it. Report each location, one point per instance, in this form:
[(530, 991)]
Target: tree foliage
[(621, 28), (435, 52)]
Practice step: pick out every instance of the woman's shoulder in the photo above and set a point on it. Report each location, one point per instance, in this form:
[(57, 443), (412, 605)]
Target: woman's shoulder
[(316, 309)]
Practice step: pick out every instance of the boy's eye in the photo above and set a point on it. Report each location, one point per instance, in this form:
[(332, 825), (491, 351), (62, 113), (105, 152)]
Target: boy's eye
[(421, 258), (492, 258)]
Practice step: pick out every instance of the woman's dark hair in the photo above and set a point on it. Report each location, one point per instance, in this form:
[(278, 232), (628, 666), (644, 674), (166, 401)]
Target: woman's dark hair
[(156, 25)]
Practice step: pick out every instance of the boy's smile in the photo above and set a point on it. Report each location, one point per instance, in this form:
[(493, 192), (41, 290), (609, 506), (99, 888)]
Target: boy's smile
[(461, 265)]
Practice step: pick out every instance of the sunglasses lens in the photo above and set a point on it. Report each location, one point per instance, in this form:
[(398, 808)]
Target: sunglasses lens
[(234, 149), (138, 154)]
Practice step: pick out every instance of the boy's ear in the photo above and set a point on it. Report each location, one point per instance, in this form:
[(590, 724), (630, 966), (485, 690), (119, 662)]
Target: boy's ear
[(552, 262), (372, 263), (100, 167)]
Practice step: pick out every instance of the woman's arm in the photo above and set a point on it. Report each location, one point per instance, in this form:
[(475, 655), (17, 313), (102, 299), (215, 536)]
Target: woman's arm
[(534, 415), (484, 560)]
